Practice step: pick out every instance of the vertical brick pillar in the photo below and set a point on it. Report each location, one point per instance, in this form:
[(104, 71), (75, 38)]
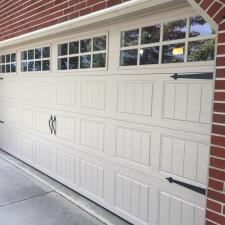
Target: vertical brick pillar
[(216, 183), (215, 213)]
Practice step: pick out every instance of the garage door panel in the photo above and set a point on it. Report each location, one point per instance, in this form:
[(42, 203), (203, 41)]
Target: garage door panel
[(26, 116), (2, 86), (185, 101), (132, 197), (92, 134), (26, 90), (26, 147), (93, 94), (3, 137), (133, 145), (8, 90), (42, 122), (202, 169), (66, 93), (92, 178), (65, 127), (8, 139), (194, 103), (9, 114), (135, 97), (42, 153), (43, 92), (175, 211), (11, 90), (206, 103), (12, 141), (67, 167), (184, 158)]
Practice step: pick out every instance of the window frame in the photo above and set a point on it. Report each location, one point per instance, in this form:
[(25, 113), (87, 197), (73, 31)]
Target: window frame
[(79, 38), (9, 52), (33, 47), (161, 43)]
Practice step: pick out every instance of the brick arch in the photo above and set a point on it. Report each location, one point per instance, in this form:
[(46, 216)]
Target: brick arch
[(215, 212)]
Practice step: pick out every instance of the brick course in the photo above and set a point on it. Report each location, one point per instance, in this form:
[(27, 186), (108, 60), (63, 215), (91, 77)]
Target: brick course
[(20, 17)]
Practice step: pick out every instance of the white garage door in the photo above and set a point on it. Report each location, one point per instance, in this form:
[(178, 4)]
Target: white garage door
[(109, 121)]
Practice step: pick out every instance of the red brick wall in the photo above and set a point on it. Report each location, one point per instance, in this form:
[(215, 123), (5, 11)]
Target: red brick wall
[(215, 213), (18, 17)]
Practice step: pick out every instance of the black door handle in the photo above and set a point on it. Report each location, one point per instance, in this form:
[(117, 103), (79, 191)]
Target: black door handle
[(54, 125), (50, 123), (189, 186)]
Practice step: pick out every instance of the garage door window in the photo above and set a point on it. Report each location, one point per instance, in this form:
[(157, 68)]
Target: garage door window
[(34, 60), (184, 40), (83, 54), (8, 63)]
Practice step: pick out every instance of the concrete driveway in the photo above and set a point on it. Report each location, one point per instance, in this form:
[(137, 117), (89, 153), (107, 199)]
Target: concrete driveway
[(26, 201)]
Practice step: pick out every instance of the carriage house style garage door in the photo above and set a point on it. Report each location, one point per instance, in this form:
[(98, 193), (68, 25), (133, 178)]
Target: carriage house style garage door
[(99, 111)]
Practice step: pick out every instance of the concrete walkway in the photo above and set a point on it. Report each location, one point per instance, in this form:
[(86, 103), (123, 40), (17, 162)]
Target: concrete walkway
[(26, 201)]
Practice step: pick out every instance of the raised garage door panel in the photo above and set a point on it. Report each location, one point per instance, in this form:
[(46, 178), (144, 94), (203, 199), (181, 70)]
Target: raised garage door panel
[(119, 133)]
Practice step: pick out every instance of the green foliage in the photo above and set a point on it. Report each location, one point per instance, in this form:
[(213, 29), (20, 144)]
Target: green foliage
[(201, 50)]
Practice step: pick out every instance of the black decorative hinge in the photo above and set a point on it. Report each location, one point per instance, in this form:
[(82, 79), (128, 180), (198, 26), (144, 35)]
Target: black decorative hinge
[(189, 186), (205, 76), (2, 121), (1, 78)]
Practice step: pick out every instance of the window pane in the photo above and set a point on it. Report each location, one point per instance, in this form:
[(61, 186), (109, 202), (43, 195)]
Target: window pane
[(99, 43), (99, 60), (62, 64), (45, 65), (149, 55), (8, 68), (128, 57), (13, 57), (24, 66), (3, 59), (150, 34), (74, 47), (3, 68), (85, 45), (46, 52), (85, 61), (173, 53), (31, 54), (13, 68), (24, 55), (201, 50), (199, 27), (8, 58), (30, 66), (37, 53), (129, 38), (63, 49), (174, 30), (73, 63), (38, 66)]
